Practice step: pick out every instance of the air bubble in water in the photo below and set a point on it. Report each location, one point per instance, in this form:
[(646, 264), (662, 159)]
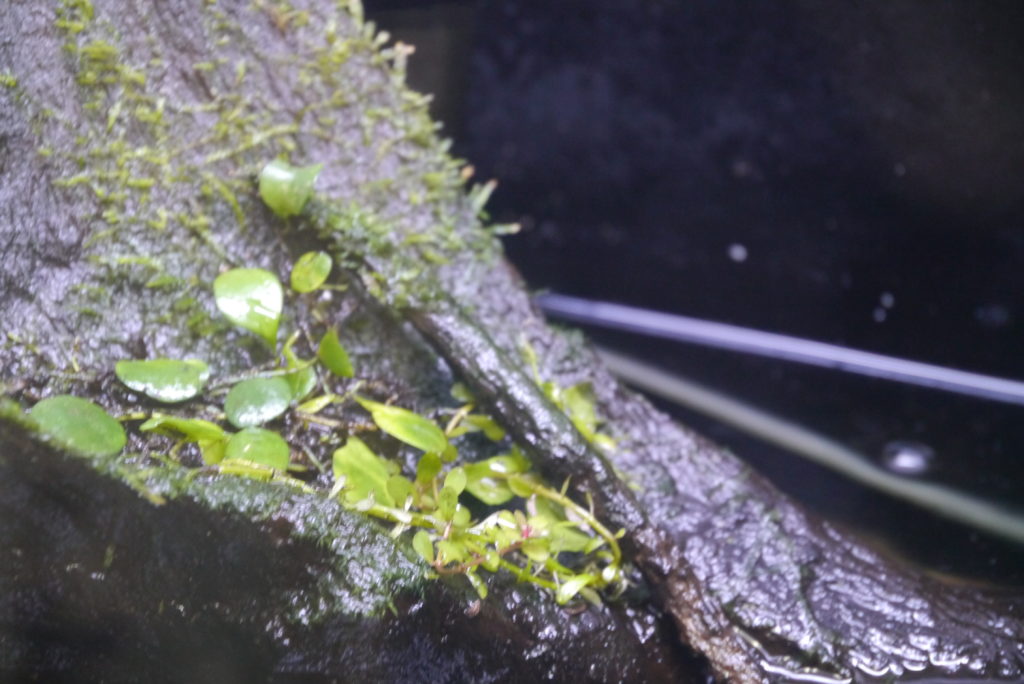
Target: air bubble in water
[(906, 457)]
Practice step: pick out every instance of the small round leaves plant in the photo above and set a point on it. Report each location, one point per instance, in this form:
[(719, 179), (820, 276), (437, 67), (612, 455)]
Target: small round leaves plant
[(251, 298), (528, 529), (79, 425)]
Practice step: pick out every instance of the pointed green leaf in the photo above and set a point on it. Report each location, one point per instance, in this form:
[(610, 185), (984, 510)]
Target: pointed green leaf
[(301, 382), (364, 472), (167, 380), (316, 404), (194, 429), (333, 355), (286, 188), (580, 405), (461, 393), (478, 584), (251, 298), (409, 427), (566, 536), (507, 464), (255, 401), (571, 587), (491, 429), (259, 446), (212, 450), (79, 424), (310, 271), (302, 379), (210, 437)]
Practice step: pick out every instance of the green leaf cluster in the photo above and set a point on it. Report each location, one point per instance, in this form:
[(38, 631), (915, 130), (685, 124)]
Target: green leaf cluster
[(577, 402), (253, 300), (551, 541), (493, 515)]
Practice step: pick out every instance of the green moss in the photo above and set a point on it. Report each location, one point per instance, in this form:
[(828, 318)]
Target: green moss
[(157, 171)]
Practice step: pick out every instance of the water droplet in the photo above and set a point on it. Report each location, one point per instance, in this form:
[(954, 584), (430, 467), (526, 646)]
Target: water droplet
[(887, 300), (906, 457), (737, 252)]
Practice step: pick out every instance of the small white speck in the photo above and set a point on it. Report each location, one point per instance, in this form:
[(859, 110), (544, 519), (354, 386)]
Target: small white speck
[(737, 252), (879, 314), (887, 300)]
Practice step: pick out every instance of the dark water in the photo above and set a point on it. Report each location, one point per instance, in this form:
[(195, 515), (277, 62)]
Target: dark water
[(852, 174)]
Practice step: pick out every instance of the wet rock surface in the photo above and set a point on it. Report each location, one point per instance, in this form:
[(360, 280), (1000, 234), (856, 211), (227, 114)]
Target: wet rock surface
[(136, 150), (239, 580), (222, 585)]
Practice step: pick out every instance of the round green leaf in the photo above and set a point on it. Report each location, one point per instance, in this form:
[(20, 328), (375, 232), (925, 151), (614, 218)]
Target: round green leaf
[(492, 561), (399, 489), (409, 427), (461, 517), (286, 188), (447, 500), (456, 479), (310, 271), (255, 401), (451, 551), (167, 380), (333, 355), (79, 424), (490, 490), (521, 485), (259, 446), (428, 467), (251, 298), (423, 545)]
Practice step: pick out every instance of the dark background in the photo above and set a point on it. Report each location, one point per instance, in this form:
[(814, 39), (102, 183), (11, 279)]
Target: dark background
[(865, 159)]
